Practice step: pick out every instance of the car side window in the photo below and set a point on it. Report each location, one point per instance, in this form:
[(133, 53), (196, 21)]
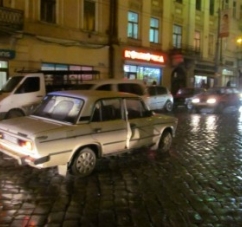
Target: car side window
[(105, 87), (131, 88), (161, 91), (152, 90), (31, 84), (106, 110), (135, 108)]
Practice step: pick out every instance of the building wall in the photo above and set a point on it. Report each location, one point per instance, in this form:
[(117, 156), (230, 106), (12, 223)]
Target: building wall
[(67, 42)]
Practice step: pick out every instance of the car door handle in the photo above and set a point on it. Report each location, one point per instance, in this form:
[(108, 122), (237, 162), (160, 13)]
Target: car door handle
[(98, 129)]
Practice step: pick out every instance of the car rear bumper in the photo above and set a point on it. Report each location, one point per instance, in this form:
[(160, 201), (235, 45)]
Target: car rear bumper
[(24, 159)]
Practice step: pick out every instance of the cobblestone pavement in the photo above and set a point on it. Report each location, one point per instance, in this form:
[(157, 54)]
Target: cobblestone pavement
[(199, 184)]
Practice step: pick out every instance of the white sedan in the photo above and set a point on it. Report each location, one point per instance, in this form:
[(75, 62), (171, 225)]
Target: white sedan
[(71, 129)]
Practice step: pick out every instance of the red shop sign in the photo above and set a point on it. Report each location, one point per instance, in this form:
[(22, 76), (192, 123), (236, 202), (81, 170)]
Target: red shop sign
[(134, 55)]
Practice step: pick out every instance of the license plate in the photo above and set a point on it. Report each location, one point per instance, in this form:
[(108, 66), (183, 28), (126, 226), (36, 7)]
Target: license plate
[(10, 138)]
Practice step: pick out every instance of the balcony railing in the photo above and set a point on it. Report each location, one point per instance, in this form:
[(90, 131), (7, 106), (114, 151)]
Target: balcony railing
[(11, 20), (186, 50)]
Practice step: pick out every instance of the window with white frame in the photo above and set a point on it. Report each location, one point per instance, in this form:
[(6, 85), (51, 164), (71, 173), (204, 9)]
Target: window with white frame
[(154, 30), (197, 41), (198, 5), (133, 19), (240, 13), (234, 9), (177, 36), (89, 20), (48, 11), (211, 7)]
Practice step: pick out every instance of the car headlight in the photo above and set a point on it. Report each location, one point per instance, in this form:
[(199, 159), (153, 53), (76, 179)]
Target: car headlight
[(196, 100), (211, 101)]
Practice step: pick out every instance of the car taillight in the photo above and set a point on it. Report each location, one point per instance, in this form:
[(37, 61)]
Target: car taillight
[(25, 144)]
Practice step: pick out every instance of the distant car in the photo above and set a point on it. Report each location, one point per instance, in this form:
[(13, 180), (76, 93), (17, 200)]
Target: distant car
[(216, 99), (183, 96), (72, 129), (156, 97), (160, 97)]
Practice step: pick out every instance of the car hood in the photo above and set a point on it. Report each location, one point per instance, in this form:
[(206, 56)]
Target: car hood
[(28, 125)]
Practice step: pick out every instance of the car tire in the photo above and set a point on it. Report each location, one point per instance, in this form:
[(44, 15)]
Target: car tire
[(189, 105), (165, 142), (14, 114), (84, 162), (168, 106), (220, 108), (194, 110)]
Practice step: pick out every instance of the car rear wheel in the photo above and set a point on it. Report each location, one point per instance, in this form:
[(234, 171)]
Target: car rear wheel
[(189, 105), (220, 108), (168, 106), (165, 142), (84, 162), (14, 113)]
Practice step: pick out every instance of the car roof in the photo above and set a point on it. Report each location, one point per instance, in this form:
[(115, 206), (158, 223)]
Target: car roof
[(112, 81), (86, 94)]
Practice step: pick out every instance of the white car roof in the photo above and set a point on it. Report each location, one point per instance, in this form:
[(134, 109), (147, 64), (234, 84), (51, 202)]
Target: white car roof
[(113, 81), (94, 94)]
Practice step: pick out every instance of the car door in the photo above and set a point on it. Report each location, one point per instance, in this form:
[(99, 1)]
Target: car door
[(109, 128), (141, 125), (152, 99), (162, 97)]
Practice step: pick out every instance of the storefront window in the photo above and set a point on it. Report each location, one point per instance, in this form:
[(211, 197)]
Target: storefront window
[(147, 74), (74, 78)]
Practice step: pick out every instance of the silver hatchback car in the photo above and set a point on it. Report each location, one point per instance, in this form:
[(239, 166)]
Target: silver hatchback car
[(156, 97)]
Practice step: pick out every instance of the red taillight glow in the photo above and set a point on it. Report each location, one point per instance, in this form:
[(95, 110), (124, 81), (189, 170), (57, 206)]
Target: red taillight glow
[(25, 144)]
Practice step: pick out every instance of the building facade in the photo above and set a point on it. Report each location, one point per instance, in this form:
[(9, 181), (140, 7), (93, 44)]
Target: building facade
[(175, 43)]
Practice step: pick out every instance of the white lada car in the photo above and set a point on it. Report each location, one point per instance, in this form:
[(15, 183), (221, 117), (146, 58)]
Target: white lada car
[(72, 129)]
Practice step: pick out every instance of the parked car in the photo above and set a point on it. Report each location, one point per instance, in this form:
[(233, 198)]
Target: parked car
[(160, 98), (156, 97), (216, 99), (72, 129), (184, 95)]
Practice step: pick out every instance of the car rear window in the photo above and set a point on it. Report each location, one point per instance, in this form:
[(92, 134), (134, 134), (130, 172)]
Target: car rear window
[(84, 86), (131, 88), (161, 90)]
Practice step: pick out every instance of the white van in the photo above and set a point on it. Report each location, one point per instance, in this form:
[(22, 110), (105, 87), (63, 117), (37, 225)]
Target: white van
[(156, 97)]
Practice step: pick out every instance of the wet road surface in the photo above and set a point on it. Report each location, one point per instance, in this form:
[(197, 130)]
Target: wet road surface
[(199, 184)]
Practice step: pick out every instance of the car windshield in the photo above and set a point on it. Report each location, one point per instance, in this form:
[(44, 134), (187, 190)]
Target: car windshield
[(59, 108), (185, 91), (11, 84), (216, 91)]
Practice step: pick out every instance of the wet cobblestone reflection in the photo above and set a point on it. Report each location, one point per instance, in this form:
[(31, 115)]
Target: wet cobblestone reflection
[(199, 184)]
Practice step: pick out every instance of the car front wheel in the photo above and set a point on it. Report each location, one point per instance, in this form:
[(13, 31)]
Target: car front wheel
[(84, 162), (165, 142)]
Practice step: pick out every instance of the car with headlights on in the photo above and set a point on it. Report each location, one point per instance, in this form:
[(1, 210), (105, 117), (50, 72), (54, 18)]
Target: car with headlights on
[(71, 130), (216, 99), (184, 96)]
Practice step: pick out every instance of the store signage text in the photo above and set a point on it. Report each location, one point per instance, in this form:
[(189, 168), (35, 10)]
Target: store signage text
[(9, 54), (131, 54)]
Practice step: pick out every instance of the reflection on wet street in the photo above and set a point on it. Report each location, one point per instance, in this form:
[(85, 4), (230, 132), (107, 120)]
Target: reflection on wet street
[(198, 184)]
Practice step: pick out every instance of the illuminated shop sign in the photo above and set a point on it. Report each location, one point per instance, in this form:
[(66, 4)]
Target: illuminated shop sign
[(8, 54), (134, 55)]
